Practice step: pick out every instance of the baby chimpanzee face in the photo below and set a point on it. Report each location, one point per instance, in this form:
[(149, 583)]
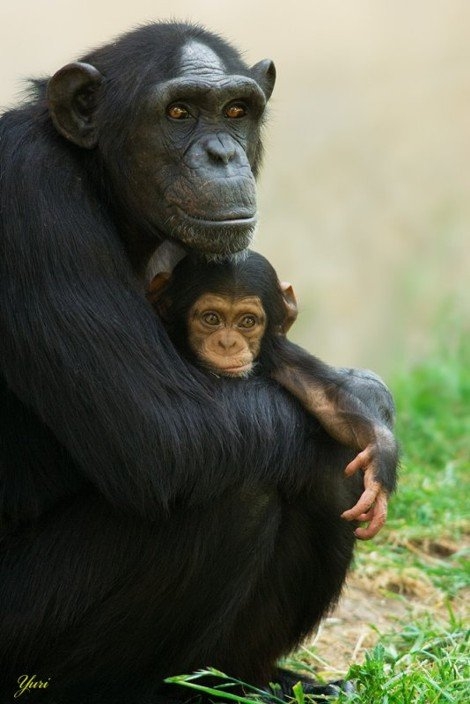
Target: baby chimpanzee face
[(225, 333)]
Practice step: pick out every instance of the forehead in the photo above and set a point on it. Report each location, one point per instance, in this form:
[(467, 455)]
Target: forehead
[(213, 300), (203, 75), (198, 59)]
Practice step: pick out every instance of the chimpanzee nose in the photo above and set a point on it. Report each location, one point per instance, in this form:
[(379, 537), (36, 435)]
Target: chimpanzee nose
[(220, 148), (228, 341)]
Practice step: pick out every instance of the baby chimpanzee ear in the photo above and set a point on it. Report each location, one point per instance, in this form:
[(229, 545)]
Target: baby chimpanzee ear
[(155, 291), (290, 305)]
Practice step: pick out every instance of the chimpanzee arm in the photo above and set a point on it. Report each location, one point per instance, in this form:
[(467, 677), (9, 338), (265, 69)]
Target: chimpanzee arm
[(81, 347), (324, 392)]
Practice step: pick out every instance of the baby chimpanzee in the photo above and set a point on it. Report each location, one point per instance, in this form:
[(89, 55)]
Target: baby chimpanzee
[(231, 317)]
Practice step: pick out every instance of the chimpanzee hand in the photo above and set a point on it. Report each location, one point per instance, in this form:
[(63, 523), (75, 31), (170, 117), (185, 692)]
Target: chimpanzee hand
[(372, 505)]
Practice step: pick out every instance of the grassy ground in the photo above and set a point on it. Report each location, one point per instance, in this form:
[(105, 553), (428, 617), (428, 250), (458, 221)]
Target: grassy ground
[(402, 626), (423, 557)]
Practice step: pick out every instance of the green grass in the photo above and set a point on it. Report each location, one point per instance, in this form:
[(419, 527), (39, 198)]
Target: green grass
[(423, 664), (427, 660), (432, 505), (434, 429)]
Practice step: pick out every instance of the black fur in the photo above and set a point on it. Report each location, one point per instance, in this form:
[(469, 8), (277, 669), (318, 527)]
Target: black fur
[(152, 521)]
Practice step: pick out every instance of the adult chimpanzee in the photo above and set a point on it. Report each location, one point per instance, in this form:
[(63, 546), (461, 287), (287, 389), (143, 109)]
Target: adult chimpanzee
[(230, 318), (149, 526)]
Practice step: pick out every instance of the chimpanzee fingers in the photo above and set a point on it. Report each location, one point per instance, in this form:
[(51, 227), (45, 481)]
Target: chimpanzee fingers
[(366, 517), (378, 519), (359, 462), (366, 500)]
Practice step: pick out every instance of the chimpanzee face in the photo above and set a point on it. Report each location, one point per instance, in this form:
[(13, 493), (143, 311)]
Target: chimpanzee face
[(225, 333), (188, 157)]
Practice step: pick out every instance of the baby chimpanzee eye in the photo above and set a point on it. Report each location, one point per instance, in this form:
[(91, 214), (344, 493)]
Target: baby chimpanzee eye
[(248, 321), (210, 318)]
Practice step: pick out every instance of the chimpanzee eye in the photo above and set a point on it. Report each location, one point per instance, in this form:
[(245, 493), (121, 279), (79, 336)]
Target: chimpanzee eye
[(235, 110), (248, 321), (210, 318), (178, 111)]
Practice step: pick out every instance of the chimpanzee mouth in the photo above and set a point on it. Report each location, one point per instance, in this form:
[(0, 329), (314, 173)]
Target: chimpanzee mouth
[(242, 218), (212, 238)]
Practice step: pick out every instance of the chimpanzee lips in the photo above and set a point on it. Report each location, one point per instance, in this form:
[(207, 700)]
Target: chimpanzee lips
[(242, 217), (231, 232)]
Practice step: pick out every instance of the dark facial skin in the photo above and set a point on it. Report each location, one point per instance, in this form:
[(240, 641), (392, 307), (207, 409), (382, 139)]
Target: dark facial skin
[(202, 132), (225, 334), (188, 163)]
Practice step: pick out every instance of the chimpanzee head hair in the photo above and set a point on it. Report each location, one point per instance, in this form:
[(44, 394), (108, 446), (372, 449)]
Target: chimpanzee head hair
[(248, 275)]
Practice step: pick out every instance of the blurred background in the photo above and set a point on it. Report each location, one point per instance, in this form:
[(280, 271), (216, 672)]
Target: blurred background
[(365, 191)]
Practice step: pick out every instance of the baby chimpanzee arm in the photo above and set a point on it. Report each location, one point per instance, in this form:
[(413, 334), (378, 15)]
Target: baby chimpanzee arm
[(323, 393)]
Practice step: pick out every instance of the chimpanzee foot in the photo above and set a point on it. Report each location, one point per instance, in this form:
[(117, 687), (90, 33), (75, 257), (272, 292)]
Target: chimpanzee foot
[(286, 680)]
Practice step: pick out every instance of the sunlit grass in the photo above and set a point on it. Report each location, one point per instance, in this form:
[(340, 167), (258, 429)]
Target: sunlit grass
[(429, 521), (422, 664)]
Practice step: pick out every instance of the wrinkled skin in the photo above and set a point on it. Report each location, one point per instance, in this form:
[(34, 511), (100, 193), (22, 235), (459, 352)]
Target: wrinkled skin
[(193, 151)]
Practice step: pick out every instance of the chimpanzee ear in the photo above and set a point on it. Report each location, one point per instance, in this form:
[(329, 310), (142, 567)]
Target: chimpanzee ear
[(264, 73), (290, 305), (155, 291), (72, 95)]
